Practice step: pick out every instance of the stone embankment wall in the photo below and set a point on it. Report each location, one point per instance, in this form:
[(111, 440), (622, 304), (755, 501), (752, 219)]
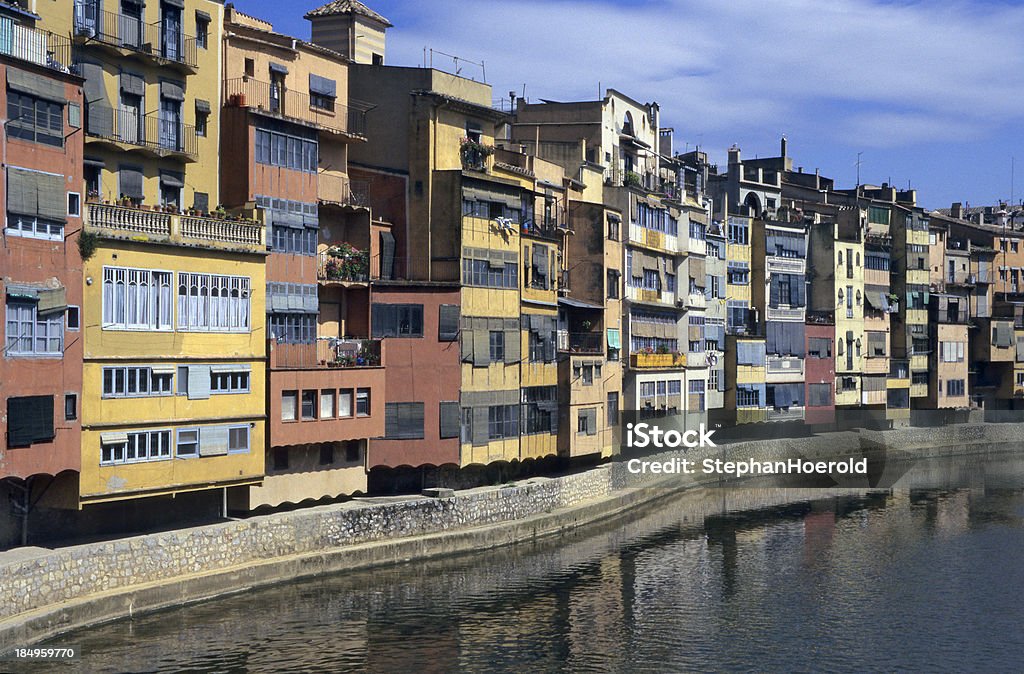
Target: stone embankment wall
[(44, 592)]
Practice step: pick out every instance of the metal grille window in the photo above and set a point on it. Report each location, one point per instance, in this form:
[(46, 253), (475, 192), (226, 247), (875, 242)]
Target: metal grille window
[(502, 421), (747, 396), (29, 333)]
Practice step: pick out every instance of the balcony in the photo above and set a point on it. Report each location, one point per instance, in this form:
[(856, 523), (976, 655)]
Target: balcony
[(163, 41), (657, 361), (278, 101), (785, 265), (346, 265), (39, 47), (696, 300), (899, 374), (781, 314), (160, 137), (159, 227), (338, 189), (591, 343), (785, 366), (788, 414), (329, 352), (474, 155)]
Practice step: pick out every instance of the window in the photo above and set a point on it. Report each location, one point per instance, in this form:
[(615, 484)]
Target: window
[(448, 323), (739, 273), (952, 352), (117, 448), (582, 422), (70, 406), (670, 283), (203, 34), (308, 405), (285, 151), (613, 228), (327, 403), (612, 409), (353, 451), (212, 302), (293, 328), (403, 421), (74, 115), (29, 420), (613, 284), (289, 405), (345, 402), (397, 320), (819, 395), (188, 442), (238, 439), (326, 455), (281, 458), (713, 379), (30, 334), (739, 232), (34, 227), (229, 382), (202, 119), (448, 418), (74, 204), (73, 318), (502, 421), (748, 396), (647, 389), (136, 299), (363, 402), (126, 382), (250, 67), (488, 274), (954, 387), (35, 119), (588, 375), (540, 409), (497, 346), (819, 347)]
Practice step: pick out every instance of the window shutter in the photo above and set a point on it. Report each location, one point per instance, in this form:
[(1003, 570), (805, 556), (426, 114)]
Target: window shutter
[(553, 411), (466, 340), (99, 113), (480, 426), (513, 341), (201, 202), (773, 294), (22, 192), (29, 419), (592, 421), (173, 91), (450, 422), (130, 181), (448, 323), (198, 382), (391, 420), (387, 255), (213, 440), (322, 86), (481, 346)]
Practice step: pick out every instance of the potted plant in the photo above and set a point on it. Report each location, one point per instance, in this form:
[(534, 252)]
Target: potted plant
[(663, 350), (586, 326)]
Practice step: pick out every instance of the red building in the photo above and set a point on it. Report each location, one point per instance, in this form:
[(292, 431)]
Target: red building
[(820, 373), (40, 275), (423, 377)]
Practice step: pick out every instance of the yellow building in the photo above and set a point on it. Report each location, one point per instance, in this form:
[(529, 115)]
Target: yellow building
[(174, 341), (152, 97)]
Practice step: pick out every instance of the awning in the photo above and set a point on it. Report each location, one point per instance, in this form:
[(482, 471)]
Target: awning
[(97, 163), (51, 300), (23, 292), (203, 16), (322, 86), (580, 304), (614, 217), (162, 369), (202, 107), (172, 91), (278, 68), (171, 179), (118, 438), (231, 367), (700, 218)]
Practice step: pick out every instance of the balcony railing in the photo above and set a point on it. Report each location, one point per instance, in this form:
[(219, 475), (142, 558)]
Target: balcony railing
[(133, 222), (581, 342), (163, 40), (329, 352), (159, 135), (786, 414), (278, 100), (642, 361), (355, 267), (785, 365), (336, 189), (36, 46)]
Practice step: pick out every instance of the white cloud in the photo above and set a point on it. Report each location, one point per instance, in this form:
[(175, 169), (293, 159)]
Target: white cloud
[(897, 73)]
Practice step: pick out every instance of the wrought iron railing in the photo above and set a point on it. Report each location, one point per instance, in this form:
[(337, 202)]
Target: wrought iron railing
[(153, 132), (163, 40), (277, 99)]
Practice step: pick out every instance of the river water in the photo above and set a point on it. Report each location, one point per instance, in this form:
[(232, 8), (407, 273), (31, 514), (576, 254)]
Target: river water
[(923, 578)]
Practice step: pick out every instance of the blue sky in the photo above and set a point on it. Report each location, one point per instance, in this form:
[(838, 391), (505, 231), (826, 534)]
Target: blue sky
[(931, 93)]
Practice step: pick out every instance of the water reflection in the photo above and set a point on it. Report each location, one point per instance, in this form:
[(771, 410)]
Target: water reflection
[(926, 576)]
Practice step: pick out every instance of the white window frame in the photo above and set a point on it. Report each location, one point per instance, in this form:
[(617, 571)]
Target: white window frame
[(231, 306), (115, 310), (177, 443), (77, 198), (132, 436), (248, 439), (34, 231), (55, 321)]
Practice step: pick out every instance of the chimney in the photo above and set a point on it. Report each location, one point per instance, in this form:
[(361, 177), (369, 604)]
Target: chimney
[(734, 154), (957, 211), (782, 147)]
